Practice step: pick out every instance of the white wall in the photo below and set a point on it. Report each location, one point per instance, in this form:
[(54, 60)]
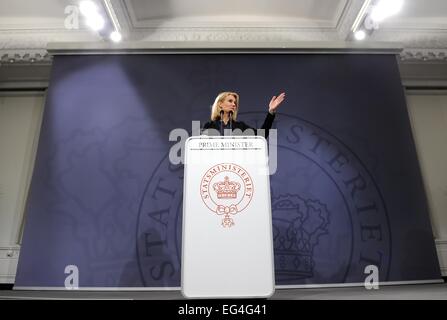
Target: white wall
[(428, 114), (20, 120)]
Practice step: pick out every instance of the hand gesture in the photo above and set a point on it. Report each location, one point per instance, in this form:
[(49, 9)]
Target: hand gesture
[(275, 102)]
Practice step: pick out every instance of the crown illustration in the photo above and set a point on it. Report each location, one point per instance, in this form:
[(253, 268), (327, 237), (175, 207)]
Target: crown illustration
[(297, 226), (226, 189)]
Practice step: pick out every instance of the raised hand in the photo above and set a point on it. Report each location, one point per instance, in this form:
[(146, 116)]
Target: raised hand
[(276, 101)]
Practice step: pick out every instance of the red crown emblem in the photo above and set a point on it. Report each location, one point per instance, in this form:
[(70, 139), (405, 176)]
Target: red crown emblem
[(226, 189)]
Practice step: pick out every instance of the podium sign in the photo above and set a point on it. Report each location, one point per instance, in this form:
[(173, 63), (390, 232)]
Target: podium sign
[(227, 248)]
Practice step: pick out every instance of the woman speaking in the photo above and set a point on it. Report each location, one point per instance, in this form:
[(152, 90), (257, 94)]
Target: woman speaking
[(224, 113)]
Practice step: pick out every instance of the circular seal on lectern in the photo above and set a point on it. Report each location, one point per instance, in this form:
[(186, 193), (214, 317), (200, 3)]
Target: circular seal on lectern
[(226, 189)]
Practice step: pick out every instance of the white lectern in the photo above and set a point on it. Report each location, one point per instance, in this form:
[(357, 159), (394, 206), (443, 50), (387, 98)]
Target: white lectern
[(227, 248)]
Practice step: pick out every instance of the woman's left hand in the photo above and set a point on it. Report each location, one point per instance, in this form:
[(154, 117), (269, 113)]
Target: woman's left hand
[(276, 101)]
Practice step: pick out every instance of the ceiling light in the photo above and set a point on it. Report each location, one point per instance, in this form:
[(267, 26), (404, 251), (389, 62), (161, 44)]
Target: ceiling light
[(96, 22), (115, 36), (386, 8), (88, 8), (360, 35)]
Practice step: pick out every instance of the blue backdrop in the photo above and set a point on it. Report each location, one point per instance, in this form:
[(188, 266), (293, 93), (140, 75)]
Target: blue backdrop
[(348, 191)]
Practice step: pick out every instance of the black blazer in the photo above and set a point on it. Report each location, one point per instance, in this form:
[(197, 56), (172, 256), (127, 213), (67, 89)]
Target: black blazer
[(267, 125)]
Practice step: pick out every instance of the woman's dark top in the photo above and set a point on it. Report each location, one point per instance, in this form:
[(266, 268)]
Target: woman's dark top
[(220, 126)]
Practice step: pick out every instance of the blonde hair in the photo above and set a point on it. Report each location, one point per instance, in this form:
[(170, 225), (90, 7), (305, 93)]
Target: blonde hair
[(215, 110)]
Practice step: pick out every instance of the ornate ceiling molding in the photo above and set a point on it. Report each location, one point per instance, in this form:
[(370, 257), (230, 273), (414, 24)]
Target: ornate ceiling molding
[(234, 34), (424, 55), (29, 47), (24, 56)]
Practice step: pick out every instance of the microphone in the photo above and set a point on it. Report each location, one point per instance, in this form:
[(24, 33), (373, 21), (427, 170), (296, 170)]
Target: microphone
[(231, 122), (221, 122)]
